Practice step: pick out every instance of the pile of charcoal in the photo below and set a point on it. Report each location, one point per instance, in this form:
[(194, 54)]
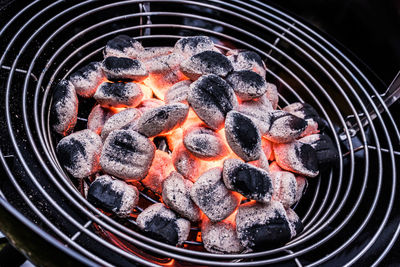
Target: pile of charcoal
[(202, 130)]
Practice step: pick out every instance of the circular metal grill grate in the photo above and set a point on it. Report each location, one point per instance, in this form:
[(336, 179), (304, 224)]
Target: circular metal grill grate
[(346, 211)]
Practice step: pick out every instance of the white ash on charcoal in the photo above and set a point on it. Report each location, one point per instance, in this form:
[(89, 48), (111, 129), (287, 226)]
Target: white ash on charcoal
[(211, 97), (79, 153), (113, 195), (124, 69), (258, 111), (327, 154), (123, 46), (97, 118), (148, 104), (262, 162), (243, 136), (284, 127), (162, 119), (252, 182), (164, 64), (297, 157), (151, 52), (204, 63), (189, 46), (212, 197), (186, 163), (260, 225), (307, 112), (246, 60), (204, 143), (220, 237), (302, 184), (267, 148), (127, 154), (176, 195), (272, 95), (295, 224), (162, 224), (285, 188), (178, 93), (64, 108), (118, 95), (247, 84), (126, 119), (87, 79)]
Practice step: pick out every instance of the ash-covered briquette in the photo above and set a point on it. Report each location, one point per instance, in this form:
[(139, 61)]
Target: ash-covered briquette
[(262, 162), (152, 52), (123, 46), (212, 197), (302, 184), (220, 237), (257, 110), (127, 154), (307, 112), (148, 104), (118, 95), (97, 118), (285, 188), (211, 97), (272, 95), (176, 195), (164, 64), (284, 127), (113, 195), (64, 108), (204, 63), (252, 182), (124, 69), (162, 224), (204, 143), (79, 153), (126, 119), (327, 154), (267, 148), (246, 60), (247, 84), (295, 224), (297, 157), (260, 225), (189, 46), (87, 79), (162, 119), (178, 92), (160, 168), (186, 163), (243, 136)]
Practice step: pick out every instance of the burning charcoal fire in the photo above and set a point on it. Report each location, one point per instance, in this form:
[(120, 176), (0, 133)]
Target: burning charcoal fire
[(251, 182), (126, 119), (64, 108), (295, 224), (113, 195), (307, 112), (220, 237), (186, 163), (87, 79), (243, 136), (262, 225), (97, 118), (327, 153), (79, 153), (247, 84), (176, 195), (261, 163), (212, 98), (297, 157), (160, 168), (189, 46), (246, 60), (267, 148), (118, 95), (162, 119), (212, 197), (161, 82), (272, 95), (164, 64), (285, 188), (204, 143), (162, 224), (127, 154), (257, 110), (123, 46), (124, 69), (284, 127), (148, 104), (151, 52), (204, 63), (178, 92)]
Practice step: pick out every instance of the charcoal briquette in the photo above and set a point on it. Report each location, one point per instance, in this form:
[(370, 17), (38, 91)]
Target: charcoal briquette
[(162, 119), (178, 92), (152, 52), (124, 69), (189, 46), (97, 118), (113, 195), (243, 136), (301, 187), (272, 94), (295, 224), (126, 119), (247, 84), (162, 224), (64, 108), (212, 197), (164, 64), (186, 163), (158, 172), (87, 79), (285, 188), (212, 98), (297, 157), (252, 182), (118, 95), (307, 112), (246, 60), (327, 153), (123, 46), (79, 153), (127, 154), (284, 127), (257, 110), (148, 104)]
